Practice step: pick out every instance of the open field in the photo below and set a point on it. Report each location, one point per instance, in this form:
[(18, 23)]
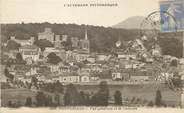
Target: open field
[(16, 95), (142, 92)]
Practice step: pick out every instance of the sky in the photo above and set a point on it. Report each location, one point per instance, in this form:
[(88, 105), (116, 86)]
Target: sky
[(53, 11)]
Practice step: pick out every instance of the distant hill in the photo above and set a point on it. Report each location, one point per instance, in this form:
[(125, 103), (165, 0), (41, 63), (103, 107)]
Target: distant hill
[(130, 23)]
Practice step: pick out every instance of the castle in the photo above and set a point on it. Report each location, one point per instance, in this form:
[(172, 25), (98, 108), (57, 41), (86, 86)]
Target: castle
[(76, 43)]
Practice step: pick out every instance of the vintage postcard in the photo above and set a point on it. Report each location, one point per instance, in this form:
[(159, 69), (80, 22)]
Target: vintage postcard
[(91, 56)]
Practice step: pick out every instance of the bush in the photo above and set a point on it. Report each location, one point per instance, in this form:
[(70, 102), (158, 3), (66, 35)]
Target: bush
[(150, 104), (118, 98), (158, 98)]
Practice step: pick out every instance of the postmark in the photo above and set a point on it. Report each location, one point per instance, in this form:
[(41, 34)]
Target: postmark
[(153, 24), (156, 22)]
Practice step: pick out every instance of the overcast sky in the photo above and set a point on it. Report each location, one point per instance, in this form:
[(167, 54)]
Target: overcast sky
[(16, 11)]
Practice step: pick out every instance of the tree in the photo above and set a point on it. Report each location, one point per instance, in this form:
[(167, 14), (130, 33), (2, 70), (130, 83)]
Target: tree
[(28, 102), (57, 99), (8, 75), (101, 97), (34, 80), (171, 46), (150, 104), (49, 87), (67, 44), (80, 64), (19, 58), (83, 98), (12, 45), (41, 99), (71, 96), (158, 98), (118, 98), (177, 82), (133, 100), (43, 43), (87, 99), (48, 101), (174, 63), (6, 72), (53, 58), (58, 87), (10, 104), (106, 74), (4, 38), (86, 61), (4, 59)]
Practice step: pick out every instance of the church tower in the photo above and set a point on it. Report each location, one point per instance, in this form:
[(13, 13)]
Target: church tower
[(85, 44), (86, 35)]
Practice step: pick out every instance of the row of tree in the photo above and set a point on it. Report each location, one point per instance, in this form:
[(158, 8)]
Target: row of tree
[(74, 98)]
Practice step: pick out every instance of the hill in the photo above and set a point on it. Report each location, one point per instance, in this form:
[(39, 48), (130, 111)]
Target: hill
[(130, 23)]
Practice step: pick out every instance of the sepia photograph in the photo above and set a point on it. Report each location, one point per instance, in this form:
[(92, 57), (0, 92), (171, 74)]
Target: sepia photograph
[(91, 55)]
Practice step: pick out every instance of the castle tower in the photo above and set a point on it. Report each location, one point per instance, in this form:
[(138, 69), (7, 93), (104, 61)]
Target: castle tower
[(64, 38), (47, 34), (57, 42), (75, 42), (57, 38), (32, 39)]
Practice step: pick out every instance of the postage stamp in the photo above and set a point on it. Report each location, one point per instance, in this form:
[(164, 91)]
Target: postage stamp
[(175, 9)]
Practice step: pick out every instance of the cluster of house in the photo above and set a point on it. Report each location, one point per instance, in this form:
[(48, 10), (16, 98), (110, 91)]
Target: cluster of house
[(30, 52), (81, 65)]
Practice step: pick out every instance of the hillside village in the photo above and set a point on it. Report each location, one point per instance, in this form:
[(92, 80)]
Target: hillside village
[(74, 62)]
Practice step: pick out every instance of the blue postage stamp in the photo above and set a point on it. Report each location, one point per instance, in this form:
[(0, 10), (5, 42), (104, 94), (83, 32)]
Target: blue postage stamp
[(174, 19)]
